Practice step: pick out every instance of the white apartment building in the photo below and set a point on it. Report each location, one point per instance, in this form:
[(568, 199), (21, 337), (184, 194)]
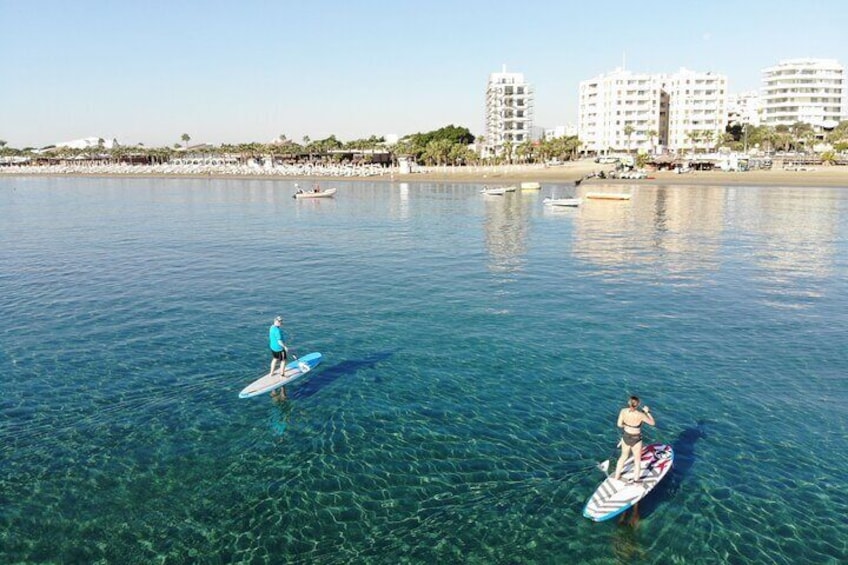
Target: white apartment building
[(697, 109), (626, 111), (813, 91), (509, 112), (744, 108), (568, 130), (621, 111)]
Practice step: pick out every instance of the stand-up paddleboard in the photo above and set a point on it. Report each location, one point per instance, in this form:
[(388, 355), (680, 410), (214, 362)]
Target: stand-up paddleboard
[(274, 381), (616, 496)]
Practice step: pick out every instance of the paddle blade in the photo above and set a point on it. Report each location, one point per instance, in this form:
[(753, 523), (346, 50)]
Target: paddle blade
[(604, 467), (304, 367)]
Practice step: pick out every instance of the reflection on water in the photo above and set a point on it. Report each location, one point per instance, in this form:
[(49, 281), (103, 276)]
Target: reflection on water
[(793, 230), (506, 225), (797, 233)]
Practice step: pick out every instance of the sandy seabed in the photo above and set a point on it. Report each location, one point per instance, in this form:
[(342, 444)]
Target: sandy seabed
[(830, 176)]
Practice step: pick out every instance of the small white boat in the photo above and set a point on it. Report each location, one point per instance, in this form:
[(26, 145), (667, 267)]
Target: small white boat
[(609, 195), (315, 194), (571, 202), (530, 186), (493, 190)]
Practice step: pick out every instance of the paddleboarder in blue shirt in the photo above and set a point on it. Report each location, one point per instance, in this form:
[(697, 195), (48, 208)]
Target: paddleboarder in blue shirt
[(279, 351)]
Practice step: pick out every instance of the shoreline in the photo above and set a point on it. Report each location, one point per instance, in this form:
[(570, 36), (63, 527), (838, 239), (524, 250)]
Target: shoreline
[(825, 176)]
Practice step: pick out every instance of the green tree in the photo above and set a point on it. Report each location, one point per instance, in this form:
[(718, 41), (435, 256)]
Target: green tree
[(829, 157), (652, 136), (186, 138), (438, 151), (372, 142), (628, 133), (839, 133), (694, 136), (526, 151)]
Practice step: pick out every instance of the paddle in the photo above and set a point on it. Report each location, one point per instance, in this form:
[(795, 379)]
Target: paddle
[(603, 466), (302, 365)]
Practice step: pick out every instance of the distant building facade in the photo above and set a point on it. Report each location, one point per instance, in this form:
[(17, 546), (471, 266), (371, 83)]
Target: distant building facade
[(812, 91), (620, 111), (640, 112), (509, 112), (744, 108), (697, 109), (568, 130), (90, 143)]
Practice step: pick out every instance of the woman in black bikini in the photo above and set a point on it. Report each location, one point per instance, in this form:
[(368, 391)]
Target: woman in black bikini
[(630, 420)]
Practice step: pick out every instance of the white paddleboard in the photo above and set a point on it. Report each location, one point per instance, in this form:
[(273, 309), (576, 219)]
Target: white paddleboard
[(614, 497), (274, 381)]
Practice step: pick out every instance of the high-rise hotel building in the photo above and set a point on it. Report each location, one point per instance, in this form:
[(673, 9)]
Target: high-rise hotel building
[(626, 111), (812, 91), (509, 112)]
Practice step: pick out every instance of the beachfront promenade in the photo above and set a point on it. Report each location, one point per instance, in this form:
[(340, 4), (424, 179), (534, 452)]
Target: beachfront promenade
[(834, 176), (254, 170), (194, 169)]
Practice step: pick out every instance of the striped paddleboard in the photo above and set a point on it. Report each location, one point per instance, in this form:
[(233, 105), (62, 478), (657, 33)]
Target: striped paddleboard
[(614, 497)]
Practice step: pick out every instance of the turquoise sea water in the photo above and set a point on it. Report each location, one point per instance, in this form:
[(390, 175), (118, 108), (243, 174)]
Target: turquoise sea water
[(477, 350)]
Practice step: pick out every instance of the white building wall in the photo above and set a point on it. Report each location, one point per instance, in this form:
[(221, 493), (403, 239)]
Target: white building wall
[(744, 108), (612, 105), (812, 91), (697, 105), (509, 111), (90, 142)]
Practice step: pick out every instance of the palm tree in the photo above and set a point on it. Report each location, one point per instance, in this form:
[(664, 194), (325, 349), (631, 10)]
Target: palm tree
[(652, 135), (525, 151), (507, 151), (186, 138), (691, 136), (628, 132)]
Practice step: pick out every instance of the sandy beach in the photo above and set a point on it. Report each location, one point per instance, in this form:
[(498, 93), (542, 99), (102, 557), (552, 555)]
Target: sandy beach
[(819, 176), (830, 176)]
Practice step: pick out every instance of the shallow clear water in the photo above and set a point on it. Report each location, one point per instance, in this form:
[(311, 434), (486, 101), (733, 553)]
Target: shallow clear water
[(477, 350)]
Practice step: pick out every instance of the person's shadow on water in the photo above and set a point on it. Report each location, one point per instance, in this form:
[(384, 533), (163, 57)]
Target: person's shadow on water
[(324, 377), (684, 458)]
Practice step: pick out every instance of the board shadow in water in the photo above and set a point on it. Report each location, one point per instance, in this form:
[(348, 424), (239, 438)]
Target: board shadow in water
[(325, 377), (684, 458)]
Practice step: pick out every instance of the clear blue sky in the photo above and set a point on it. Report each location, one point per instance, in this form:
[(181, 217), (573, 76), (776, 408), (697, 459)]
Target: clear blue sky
[(251, 70)]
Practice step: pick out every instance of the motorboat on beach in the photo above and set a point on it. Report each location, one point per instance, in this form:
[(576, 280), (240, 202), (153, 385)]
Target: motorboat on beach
[(315, 193), (564, 202)]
